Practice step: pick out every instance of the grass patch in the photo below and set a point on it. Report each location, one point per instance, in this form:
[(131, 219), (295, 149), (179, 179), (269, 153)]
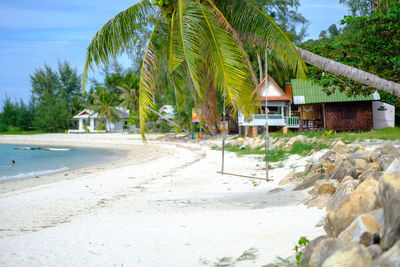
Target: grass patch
[(301, 149), (382, 134)]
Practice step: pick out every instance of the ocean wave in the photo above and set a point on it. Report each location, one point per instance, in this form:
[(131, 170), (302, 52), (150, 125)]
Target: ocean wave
[(32, 174)]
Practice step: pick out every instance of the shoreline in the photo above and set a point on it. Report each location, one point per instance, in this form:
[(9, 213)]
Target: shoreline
[(125, 157), (162, 198)]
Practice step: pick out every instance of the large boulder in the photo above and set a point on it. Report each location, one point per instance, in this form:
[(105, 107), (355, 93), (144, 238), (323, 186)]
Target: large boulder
[(389, 189), (350, 255), (364, 199), (390, 257), (309, 249), (375, 251), (318, 201), (363, 228), (342, 193), (323, 250)]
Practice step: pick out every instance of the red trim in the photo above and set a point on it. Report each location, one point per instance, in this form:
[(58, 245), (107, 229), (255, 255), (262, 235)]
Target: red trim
[(284, 96)]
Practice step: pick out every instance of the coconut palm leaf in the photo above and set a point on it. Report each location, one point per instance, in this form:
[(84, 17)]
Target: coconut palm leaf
[(251, 22), (116, 35)]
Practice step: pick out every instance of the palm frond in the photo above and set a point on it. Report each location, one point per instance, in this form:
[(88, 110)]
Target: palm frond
[(175, 53), (249, 20), (116, 35), (231, 71), (148, 76)]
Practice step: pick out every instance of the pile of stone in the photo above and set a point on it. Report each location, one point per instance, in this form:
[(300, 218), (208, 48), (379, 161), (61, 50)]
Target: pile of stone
[(361, 193), (284, 143)]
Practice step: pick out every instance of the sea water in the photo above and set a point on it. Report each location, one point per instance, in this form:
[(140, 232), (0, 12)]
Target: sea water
[(33, 163)]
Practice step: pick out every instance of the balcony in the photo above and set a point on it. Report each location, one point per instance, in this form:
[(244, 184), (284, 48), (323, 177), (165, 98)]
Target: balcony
[(273, 120)]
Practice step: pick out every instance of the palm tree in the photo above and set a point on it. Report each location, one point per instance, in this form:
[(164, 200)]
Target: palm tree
[(104, 103), (203, 40), (200, 40)]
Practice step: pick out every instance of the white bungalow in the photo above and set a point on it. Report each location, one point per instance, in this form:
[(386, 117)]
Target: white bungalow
[(279, 106), (90, 119)]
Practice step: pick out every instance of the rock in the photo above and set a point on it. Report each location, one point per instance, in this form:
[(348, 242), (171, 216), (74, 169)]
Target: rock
[(310, 179), (390, 257), (309, 249), (362, 229), (360, 164), (364, 199), (387, 149), (318, 201), (350, 255), (323, 250), (358, 155), (375, 155), (343, 169), (301, 138), (325, 186), (340, 148), (327, 156), (291, 141), (311, 167), (290, 180), (376, 166), (375, 251), (270, 265), (386, 160), (389, 189), (342, 192)]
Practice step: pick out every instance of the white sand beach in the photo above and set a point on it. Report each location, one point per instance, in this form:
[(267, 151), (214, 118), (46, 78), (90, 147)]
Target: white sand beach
[(164, 204)]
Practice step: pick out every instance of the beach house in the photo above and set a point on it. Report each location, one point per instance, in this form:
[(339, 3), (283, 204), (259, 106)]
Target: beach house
[(89, 121), (279, 106), (337, 111)]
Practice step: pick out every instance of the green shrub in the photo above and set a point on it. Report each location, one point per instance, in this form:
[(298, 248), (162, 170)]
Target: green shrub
[(165, 127)]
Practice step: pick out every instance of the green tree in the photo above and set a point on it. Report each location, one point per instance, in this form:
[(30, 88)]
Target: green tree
[(105, 103), (333, 30), (56, 95), (202, 41)]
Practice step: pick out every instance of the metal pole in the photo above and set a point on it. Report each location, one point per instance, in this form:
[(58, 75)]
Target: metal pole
[(223, 136), (266, 137)]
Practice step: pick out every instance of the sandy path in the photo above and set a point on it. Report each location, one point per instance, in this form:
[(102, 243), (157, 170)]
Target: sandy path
[(164, 205)]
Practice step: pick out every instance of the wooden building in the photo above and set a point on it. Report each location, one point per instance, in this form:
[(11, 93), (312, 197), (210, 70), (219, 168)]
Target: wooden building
[(337, 111)]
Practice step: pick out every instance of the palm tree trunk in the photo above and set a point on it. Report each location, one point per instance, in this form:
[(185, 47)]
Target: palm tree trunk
[(334, 67), (354, 74)]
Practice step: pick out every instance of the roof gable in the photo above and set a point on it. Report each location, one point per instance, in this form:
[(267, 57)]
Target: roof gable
[(309, 92), (275, 93)]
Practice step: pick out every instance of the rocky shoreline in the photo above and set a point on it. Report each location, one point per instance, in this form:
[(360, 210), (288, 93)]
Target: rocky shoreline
[(360, 190)]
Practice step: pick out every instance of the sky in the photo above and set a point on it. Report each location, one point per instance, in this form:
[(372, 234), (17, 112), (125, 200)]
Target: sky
[(34, 33)]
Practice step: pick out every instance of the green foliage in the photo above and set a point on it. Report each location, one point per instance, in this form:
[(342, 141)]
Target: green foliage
[(165, 127), (198, 41), (303, 241), (56, 95), (100, 127), (85, 128), (104, 103), (370, 43)]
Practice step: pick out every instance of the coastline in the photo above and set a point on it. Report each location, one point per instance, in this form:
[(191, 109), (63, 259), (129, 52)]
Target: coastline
[(124, 156), (163, 197)]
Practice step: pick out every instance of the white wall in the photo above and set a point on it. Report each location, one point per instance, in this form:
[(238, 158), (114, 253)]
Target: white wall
[(383, 115)]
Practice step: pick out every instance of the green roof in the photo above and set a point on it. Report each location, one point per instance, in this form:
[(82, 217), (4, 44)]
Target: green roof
[(309, 92)]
